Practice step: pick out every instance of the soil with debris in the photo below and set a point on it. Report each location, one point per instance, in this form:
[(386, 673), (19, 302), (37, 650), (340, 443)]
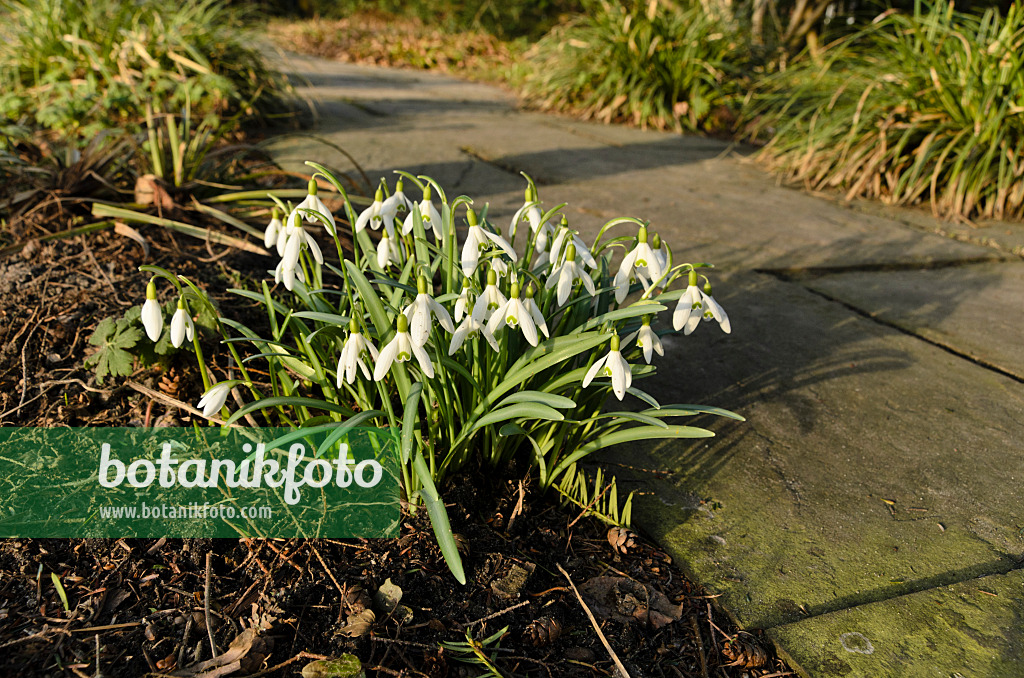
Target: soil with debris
[(540, 576)]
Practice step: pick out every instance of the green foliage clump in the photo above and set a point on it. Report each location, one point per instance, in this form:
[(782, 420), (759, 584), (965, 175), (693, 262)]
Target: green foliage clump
[(657, 64), (926, 106), (79, 66)]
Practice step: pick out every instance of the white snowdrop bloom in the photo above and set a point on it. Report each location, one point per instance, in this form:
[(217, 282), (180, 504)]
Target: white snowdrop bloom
[(388, 251), (612, 365), (563, 239), (531, 213), (420, 312), (273, 229), (468, 329), (353, 351), (566, 273), (514, 314), (478, 240), (640, 262), (648, 340), (714, 311), (429, 214), (534, 310), (690, 308), (397, 201), (313, 202), (489, 301), (289, 276), (215, 397), (152, 314), (401, 349), (182, 327), (462, 303), (376, 216)]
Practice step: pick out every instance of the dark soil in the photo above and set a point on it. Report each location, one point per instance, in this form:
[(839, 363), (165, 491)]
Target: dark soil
[(136, 607)]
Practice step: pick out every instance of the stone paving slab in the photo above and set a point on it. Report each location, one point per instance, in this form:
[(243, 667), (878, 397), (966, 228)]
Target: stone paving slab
[(871, 464), (970, 309), (974, 628)]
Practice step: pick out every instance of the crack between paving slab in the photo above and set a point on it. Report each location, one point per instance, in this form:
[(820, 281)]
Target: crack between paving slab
[(798, 273), (980, 362), (501, 165)]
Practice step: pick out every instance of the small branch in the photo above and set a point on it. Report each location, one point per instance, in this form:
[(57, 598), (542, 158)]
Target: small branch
[(496, 614), (206, 606), (590, 615)]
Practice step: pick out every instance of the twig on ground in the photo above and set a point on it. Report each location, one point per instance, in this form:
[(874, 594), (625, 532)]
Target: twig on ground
[(206, 605), (700, 646), (593, 622), (341, 593), (496, 614)]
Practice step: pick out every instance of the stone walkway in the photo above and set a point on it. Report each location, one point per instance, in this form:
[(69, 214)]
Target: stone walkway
[(869, 514)]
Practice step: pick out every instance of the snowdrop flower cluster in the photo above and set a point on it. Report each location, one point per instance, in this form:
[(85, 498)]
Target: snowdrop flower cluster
[(491, 345)]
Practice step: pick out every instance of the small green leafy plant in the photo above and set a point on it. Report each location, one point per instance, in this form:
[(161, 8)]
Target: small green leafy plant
[(477, 346)]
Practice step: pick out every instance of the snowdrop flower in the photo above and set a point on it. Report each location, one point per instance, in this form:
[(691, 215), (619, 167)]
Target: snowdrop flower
[(215, 397), (468, 329), (428, 213), (400, 349), (421, 310), (565, 234), (612, 365), (640, 262), (397, 202), (662, 253), (152, 316), (462, 303), (477, 240), (648, 340), (534, 310), (566, 273), (530, 212), (490, 300), (388, 251), (697, 304), (352, 352), (182, 327), (514, 314), (274, 228), (314, 203), (288, 277), (376, 216)]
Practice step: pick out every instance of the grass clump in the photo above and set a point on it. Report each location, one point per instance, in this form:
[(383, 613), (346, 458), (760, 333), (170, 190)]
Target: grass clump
[(79, 66), (654, 64), (924, 106)]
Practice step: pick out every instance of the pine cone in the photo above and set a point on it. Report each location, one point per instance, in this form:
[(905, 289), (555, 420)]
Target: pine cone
[(543, 631), (170, 383), (745, 652), (621, 539)]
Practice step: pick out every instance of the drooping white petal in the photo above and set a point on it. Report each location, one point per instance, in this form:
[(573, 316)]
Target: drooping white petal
[(621, 374), (525, 320), (538, 317), (594, 370), (461, 304), (270, 235), (501, 243), (314, 203), (386, 358), (314, 248), (441, 314), (475, 239), (648, 340), (152, 319), (622, 277), (424, 360)]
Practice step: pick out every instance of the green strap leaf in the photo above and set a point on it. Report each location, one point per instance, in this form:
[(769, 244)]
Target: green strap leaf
[(289, 401), (439, 519), (412, 402), (630, 435), (516, 411), (549, 399)]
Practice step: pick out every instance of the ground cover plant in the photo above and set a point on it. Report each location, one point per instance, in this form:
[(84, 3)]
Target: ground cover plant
[(662, 65), (920, 107), (81, 67)]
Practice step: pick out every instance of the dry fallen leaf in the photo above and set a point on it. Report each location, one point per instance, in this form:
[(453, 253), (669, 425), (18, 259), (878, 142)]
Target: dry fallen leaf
[(624, 600)]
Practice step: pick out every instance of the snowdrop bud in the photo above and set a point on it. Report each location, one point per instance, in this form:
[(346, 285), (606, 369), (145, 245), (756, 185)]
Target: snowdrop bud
[(656, 242), (152, 317)]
